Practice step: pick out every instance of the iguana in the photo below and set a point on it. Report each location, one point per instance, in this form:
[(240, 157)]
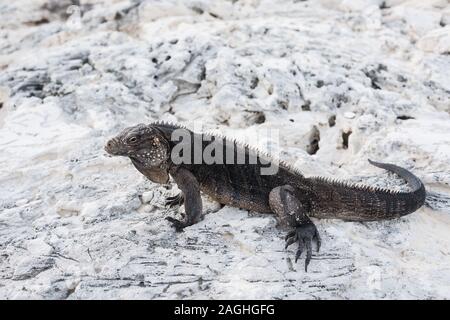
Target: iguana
[(292, 197)]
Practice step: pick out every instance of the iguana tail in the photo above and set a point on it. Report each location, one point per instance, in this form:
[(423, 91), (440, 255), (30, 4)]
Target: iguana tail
[(343, 200), (414, 183)]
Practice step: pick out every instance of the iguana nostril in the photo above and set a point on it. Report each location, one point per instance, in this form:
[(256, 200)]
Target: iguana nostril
[(110, 145)]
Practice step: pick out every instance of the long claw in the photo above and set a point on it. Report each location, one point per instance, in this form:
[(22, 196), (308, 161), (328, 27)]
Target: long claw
[(308, 253), (304, 235), (290, 241), (177, 224), (290, 234), (298, 254), (318, 240), (299, 250)]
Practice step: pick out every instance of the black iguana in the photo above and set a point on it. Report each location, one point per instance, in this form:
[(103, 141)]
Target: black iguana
[(292, 197)]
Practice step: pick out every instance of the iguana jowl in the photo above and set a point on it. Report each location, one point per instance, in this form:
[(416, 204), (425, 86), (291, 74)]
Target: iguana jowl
[(292, 197)]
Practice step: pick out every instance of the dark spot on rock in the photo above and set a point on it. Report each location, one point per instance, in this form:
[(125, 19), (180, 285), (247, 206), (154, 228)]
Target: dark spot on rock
[(320, 83), (306, 106), (33, 88), (37, 22), (373, 79), (291, 120), (254, 83), (213, 15), (168, 58), (332, 120), (345, 138), (119, 15), (383, 5), (283, 104), (1, 105), (60, 7), (155, 77), (314, 138), (339, 99), (202, 75), (347, 66), (401, 78), (404, 117), (197, 10), (381, 67), (254, 117), (260, 117), (442, 23), (173, 41), (154, 60)]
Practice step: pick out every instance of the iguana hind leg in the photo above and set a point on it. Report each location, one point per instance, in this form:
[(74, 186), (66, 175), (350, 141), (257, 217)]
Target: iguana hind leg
[(291, 212)]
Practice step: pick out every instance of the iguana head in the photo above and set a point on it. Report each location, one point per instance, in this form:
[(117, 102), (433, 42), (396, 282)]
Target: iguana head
[(143, 144)]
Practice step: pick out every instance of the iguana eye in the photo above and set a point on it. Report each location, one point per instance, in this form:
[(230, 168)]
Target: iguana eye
[(132, 140)]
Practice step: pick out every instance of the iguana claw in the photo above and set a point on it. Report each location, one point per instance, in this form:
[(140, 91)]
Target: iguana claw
[(178, 224), (176, 200), (304, 235)]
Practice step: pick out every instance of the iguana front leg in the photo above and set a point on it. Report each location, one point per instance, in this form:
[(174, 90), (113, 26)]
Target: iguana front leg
[(291, 212), (190, 189)]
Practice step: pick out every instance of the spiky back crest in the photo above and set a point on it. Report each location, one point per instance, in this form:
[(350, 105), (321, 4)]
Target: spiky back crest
[(338, 183), (350, 185), (346, 200), (414, 183), (237, 143)]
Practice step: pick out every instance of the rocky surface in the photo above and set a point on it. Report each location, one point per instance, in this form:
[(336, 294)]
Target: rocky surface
[(339, 81)]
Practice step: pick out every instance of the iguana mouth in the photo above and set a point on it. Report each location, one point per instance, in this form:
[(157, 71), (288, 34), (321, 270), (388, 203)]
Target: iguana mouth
[(112, 147), (134, 159)]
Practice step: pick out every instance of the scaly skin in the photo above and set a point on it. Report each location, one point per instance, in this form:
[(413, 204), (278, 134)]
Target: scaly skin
[(292, 197)]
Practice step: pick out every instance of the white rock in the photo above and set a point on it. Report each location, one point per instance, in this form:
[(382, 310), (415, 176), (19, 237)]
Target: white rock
[(21, 202), (437, 41), (147, 196), (39, 247), (349, 115)]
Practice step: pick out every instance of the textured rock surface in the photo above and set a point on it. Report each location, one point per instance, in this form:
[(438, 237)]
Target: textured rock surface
[(342, 81)]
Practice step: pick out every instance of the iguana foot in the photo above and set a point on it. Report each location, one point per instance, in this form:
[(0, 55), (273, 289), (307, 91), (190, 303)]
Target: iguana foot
[(179, 225), (304, 235), (177, 200)]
